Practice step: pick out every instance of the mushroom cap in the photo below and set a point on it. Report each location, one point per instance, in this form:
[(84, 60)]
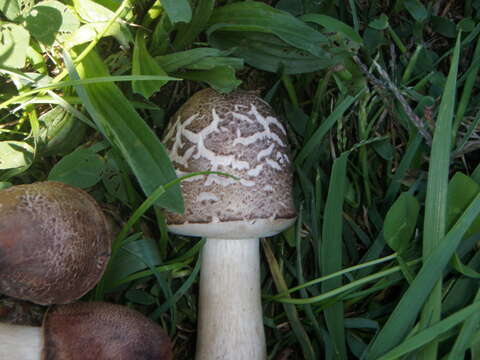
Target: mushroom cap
[(102, 331), (54, 242), (239, 134)]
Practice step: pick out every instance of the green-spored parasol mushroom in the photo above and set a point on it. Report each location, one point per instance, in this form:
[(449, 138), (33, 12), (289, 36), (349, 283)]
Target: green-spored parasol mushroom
[(87, 331), (54, 242), (238, 134)]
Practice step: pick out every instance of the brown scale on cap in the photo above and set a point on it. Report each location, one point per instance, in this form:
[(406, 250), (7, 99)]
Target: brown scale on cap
[(54, 242), (101, 331), (238, 134)]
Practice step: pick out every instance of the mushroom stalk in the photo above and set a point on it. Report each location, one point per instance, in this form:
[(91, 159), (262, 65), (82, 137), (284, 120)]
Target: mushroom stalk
[(230, 319), (20, 342)]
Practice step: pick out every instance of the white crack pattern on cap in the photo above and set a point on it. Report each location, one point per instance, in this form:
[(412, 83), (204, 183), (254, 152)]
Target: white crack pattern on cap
[(246, 141)]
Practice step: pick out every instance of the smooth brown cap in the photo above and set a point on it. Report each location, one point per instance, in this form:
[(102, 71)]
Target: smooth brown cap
[(102, 331), (239, 134), (54, 242)]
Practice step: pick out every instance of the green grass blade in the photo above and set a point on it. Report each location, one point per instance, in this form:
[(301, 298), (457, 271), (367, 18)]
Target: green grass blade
[(318, 135), (299, 267), (394, 187), (464, 338), (332, 251), (403, 317), (467, 89), (432, 333), (436, 202)]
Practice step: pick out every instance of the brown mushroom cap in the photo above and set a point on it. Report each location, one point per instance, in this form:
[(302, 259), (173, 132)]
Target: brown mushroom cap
[(239, 134), (102, 331), (54, 242)]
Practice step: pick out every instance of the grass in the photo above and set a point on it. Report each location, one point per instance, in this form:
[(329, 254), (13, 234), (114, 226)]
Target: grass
[(380, 102)]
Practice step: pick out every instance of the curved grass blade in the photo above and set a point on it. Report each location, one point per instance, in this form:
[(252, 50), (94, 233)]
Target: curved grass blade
[(426, 336), (403, 317)]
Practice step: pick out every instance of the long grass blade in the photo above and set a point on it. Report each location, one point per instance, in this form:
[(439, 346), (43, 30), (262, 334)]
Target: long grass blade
[(403, 317), (436, 202), (332, 251), (431, 334)]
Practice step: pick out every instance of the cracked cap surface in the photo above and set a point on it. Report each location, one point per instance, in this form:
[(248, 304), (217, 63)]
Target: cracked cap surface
[(238, 134)]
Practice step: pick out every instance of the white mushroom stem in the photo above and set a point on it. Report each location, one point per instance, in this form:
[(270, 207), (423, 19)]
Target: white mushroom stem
[(230, 324), (20, 342)]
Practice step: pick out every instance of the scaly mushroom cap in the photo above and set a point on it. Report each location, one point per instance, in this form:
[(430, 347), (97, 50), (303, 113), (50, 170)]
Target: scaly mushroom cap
[(102, 331), (54, 242), (238, 134)]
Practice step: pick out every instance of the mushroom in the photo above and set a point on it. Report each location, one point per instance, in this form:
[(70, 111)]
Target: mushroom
[(239, 134), (54, 242), (87, 331)]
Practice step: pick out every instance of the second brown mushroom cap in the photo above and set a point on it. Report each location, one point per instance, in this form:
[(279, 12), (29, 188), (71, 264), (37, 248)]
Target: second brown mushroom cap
[(54, 242)]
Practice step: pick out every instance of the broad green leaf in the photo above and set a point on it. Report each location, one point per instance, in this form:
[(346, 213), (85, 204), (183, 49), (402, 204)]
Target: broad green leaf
[(127, 131), (178, 10), (14, 40), (461, 191), (210, 63), (70, 21), (47, 18), (109, 4), (114, 179), (10, 8), (296, 8), (444, 26), (466, 25), (97, 17), (144, 64), (43, 23), (267, 52), (332, 24), (380, 23), (89, 32), (140, 297), (416, 9), (183, 59), (82, 168), (15, 154), (258, 17), (92, 12), (60, 133), (400, 222), (128, 261), (221, 78)]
